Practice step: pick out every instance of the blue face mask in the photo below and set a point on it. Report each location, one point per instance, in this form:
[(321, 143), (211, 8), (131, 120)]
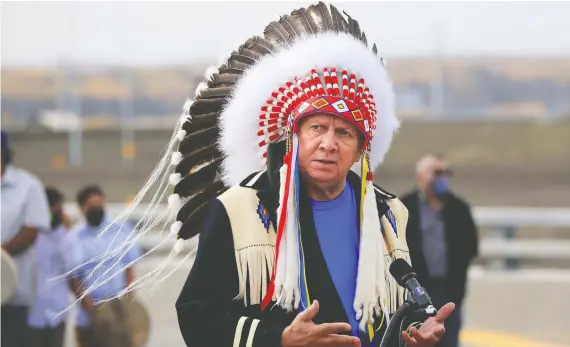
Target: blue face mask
[(440, 185)]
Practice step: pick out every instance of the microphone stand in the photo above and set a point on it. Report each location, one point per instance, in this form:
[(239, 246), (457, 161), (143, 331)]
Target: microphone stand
[(409, 308)]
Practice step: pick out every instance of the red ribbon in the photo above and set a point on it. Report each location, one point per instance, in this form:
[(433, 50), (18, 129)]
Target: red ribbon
[(271, 289)]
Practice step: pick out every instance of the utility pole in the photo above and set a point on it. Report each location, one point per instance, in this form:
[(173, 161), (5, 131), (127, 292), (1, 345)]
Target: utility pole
[(69, 102), (76, 137), (438, 78), (70, 97), (77, 134), (128, 150)]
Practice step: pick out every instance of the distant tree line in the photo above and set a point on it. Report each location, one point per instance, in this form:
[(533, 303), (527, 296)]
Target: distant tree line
[(486, 89)]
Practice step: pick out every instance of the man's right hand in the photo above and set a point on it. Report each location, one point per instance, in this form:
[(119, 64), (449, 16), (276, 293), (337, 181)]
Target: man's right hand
[(303, 332)]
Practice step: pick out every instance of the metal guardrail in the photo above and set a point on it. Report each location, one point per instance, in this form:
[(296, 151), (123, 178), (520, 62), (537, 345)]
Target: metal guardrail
[(504, 217), (502, 245), (526, 248)]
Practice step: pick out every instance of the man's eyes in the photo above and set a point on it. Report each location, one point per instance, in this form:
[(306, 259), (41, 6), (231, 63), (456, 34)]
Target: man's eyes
[(340, 132)]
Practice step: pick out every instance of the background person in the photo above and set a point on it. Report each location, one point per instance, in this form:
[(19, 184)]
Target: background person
[(25, 212), (442, 238), (103, 325), (54, 258)]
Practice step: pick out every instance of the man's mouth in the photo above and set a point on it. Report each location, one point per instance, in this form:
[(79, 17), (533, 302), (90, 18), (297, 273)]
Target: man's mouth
[(326, 162)]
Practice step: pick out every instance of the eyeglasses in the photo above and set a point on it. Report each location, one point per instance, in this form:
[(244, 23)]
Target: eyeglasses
[(445, 172)]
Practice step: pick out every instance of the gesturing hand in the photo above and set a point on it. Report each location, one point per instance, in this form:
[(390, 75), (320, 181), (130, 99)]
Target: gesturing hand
[(303, 332), (431, 331)]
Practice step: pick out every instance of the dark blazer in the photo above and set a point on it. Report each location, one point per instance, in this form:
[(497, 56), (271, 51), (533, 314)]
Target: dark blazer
[(460, 237), (208, 315)]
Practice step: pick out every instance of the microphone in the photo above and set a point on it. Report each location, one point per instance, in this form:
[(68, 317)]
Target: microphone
[(407, 278)]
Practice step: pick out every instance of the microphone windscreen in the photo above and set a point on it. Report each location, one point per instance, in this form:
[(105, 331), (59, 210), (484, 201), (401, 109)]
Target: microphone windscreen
[(400, 268)]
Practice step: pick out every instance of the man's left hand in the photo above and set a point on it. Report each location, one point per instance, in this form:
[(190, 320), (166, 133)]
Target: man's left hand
[(431, 331)]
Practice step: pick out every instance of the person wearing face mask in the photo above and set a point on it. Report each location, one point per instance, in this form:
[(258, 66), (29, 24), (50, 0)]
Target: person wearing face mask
[(53, 259), (97, 236), (442, 239)]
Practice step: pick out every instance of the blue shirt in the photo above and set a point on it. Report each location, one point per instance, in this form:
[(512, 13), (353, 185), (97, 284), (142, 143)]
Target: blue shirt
[(24, 204), (53, 259), (90, 249), (337, 230)]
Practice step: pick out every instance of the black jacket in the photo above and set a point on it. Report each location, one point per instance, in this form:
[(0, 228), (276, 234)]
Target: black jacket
[(461, 242), (209, 316)]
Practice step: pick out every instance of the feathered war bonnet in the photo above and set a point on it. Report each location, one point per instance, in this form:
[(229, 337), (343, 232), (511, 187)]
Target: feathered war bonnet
[(313, 60)]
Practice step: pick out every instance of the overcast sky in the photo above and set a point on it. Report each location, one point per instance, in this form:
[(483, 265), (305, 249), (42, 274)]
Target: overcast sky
[(153, 33)]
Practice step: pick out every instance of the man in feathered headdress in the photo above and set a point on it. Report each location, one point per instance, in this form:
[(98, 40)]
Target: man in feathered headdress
[(274, 170), (298, 226)]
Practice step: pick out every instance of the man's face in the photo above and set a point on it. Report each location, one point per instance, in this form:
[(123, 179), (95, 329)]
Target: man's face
[(56, 208), (56, 211), (95, 201), (328, 147), (93, 210), (436, 170)]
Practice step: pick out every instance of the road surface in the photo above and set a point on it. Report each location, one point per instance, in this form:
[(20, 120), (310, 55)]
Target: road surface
[(526, 308)]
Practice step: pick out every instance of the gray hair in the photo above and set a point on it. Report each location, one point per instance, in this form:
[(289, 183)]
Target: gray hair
[(426, 160)]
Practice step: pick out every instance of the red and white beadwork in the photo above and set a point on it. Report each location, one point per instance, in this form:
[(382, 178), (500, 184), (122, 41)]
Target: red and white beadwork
[(308, 95)]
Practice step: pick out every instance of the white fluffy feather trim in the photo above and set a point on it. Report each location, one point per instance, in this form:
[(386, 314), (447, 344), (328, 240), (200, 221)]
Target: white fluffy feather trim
[(178, 246), (280, 270), (174, 202), (366, 300), (200, 88), (223, 59), (239, 120), (187, 104), (185, 116), (210, 71), (291, 292), (180, 134), (174, 178), (175, 228), (176, 158)]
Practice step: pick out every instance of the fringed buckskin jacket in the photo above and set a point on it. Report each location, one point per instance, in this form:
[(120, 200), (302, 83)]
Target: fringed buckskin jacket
[(219, 305)]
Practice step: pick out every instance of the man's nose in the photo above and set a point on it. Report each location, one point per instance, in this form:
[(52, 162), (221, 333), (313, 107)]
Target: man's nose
[(328, 141)]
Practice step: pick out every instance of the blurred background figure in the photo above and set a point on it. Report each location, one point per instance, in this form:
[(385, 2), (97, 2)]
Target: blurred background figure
[(105, 324), (25, 213), (54, 257), (442, 238)]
